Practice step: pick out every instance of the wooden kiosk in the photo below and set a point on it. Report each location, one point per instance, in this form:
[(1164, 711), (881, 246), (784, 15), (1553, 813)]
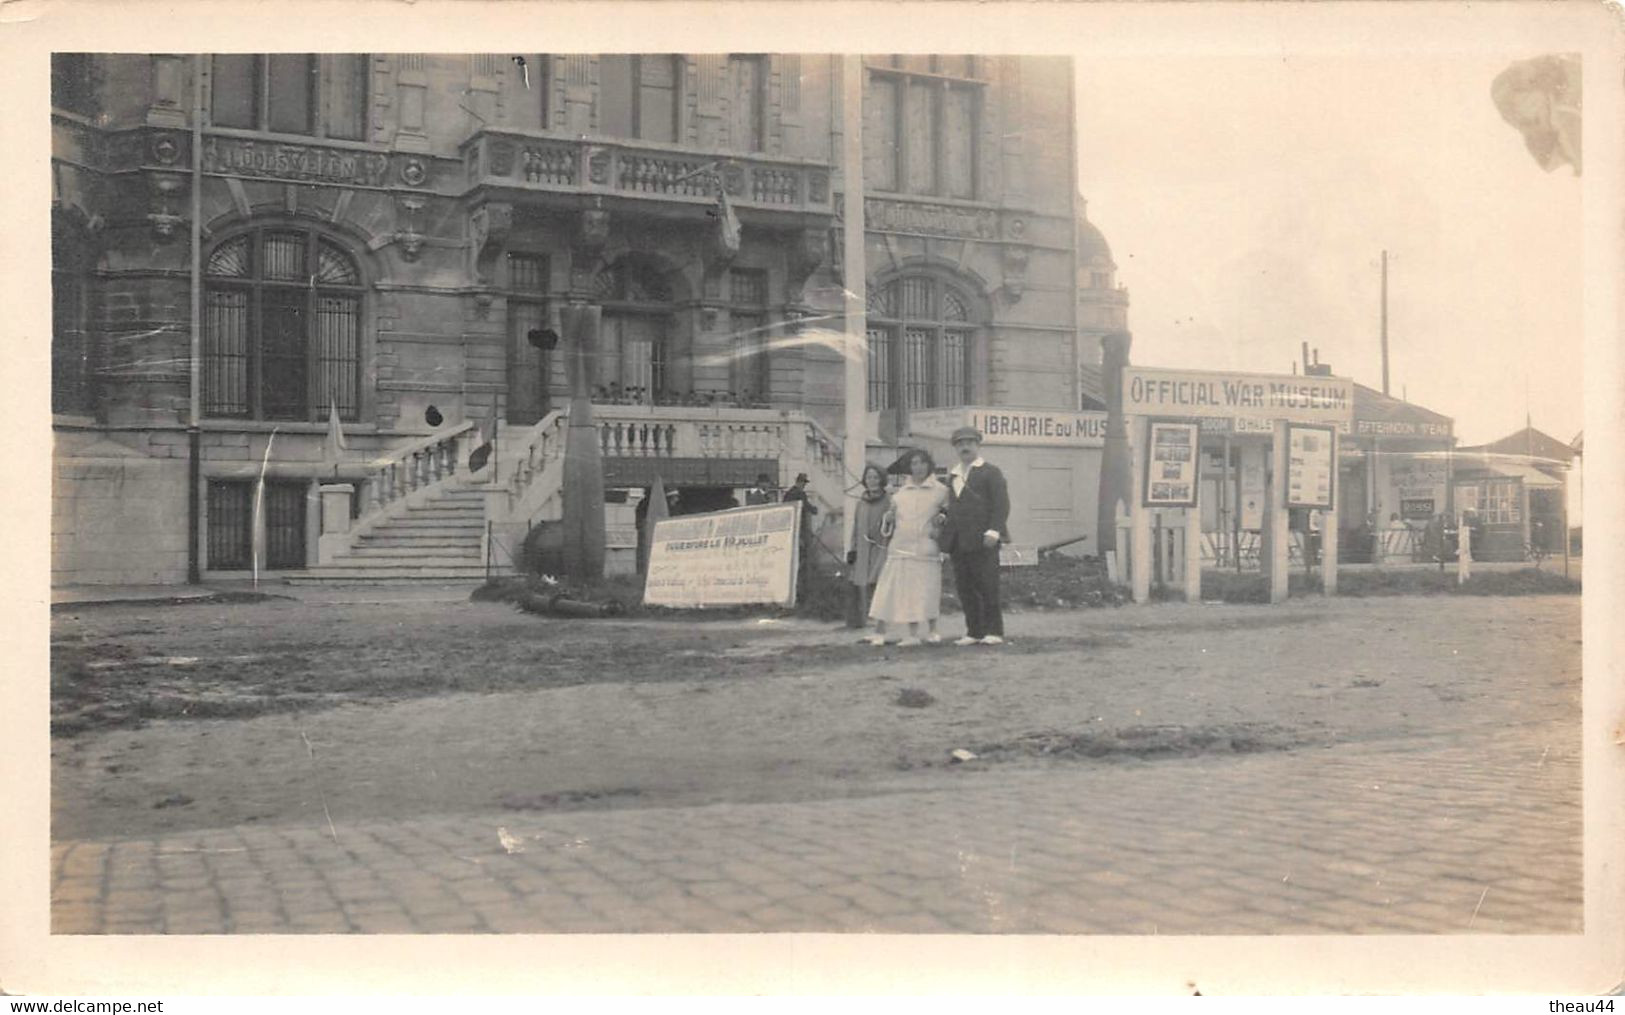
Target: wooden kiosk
[(1299, 417)]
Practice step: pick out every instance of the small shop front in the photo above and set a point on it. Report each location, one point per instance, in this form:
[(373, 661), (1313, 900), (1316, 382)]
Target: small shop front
[(1394, 477), (1509, 506), (1050, 459)]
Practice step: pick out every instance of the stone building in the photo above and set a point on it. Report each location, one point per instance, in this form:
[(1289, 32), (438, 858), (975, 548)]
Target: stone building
[(307, 305)]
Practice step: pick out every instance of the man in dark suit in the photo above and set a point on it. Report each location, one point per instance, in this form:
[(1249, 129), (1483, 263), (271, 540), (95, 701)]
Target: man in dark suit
[(978, 509)]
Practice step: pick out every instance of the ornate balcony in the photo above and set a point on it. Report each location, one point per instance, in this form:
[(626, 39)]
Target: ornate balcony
[(535, 162)]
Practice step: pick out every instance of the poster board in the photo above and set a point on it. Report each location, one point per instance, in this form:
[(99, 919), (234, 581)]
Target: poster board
[(1311, 466), (737, 557), (1172, 462)]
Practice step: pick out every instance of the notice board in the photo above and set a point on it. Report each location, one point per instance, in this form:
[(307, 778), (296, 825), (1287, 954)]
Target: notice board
[(725, 558)]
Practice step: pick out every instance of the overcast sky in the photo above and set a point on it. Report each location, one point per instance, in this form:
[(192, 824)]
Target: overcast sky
[(1247, 202)]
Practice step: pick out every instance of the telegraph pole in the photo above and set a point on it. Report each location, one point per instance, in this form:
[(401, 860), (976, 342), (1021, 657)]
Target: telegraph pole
[(853, 268), (1385, 322)]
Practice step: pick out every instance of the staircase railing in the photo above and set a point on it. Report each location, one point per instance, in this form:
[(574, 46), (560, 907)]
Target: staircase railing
[(414, 470), (528, 475)]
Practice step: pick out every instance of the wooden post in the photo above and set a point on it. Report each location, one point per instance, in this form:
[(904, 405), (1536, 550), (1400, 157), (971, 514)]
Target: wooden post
[(1275, 516), (1140, 562), (1193, 551), (1464, 551), (1329, 522)]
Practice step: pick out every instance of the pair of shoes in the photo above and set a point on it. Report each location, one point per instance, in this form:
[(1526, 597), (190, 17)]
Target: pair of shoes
[(909, 643), (967, 640), (876, 640), (993, 639), (933, 638)]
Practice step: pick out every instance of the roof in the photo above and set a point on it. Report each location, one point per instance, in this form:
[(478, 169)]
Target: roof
[(1503, 468), (1091, 241), (1371, 404), (1529, 443)]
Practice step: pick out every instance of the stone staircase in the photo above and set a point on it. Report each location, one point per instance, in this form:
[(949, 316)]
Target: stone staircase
[(437, 541)]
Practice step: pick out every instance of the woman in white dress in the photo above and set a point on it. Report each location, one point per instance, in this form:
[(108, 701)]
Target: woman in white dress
[(910, 587)]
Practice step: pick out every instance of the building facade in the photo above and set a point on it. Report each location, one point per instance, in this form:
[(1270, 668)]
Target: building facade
[(295, 294)]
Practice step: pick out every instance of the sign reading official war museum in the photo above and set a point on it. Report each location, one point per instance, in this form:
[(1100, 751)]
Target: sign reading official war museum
[(1291, 397), (725, 558), (1053, 427)]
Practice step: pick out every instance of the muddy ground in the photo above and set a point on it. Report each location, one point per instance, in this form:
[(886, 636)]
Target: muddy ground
[(177, 717)]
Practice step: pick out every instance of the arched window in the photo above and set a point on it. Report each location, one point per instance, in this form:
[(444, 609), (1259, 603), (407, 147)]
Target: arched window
[(921, 340), (632, 357), (281, 327)]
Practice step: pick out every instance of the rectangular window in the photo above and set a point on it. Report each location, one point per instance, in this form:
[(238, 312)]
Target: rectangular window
[(919, 387), (225, 353), (292, 92), (920, 137), (921, 131), (282, 354), (615, 96), (284, 520), (750, 370), (880, 134), (959, 142), (657, 98), (955, 377), (338, 380), (345, 93), (72, 87), (748, 79), (234, 85), (527, 272), (880, 359), (230, 521)]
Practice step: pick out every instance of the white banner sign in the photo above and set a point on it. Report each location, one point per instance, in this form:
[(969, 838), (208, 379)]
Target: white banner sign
[(1292, 397), (1053, 427), (726, 558)]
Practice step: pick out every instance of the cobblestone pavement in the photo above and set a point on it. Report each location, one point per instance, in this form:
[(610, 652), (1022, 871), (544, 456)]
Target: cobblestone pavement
[(1478, 832)]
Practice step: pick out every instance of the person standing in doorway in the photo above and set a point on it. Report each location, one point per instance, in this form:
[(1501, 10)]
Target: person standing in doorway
[(978, 511), (763, 492)]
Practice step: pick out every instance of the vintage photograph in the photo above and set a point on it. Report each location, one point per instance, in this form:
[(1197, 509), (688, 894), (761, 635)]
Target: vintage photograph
[(556, 492)]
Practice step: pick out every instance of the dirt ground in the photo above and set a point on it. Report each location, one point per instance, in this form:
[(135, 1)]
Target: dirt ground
[(179, 717)]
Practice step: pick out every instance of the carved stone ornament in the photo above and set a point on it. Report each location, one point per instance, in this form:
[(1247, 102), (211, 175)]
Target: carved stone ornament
[(166, 189), (733, 179), (598, 165), (408, 235), (818, 186), (166, 150), (414, 172), (1015, 271), (502, 156), (594, 234), (807, 253), (488, 229)]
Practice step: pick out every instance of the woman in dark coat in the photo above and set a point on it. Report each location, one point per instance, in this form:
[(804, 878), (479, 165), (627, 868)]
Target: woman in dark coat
[(866, 554)]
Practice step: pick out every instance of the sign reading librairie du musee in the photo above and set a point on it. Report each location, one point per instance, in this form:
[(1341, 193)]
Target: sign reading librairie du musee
[(725, 558), (312, 163), (1056, 427), (1292, 397), (1309, 466)]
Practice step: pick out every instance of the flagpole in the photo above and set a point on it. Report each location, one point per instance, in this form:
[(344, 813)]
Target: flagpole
[(854, 268)]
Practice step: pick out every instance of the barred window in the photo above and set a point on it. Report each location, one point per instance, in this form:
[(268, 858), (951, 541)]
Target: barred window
[(921, 344), (321, 94), (281, 328), (232, 517), (921, 118)]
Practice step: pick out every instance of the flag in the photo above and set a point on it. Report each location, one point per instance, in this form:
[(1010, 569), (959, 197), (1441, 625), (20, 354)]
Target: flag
[(335, 435), (655, 512), (727, 221)]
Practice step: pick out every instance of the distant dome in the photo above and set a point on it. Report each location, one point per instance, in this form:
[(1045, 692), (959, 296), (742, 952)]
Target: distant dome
[(1092, 242)]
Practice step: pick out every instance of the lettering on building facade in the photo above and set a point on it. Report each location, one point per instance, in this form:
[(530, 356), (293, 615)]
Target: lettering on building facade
[(1254, 396), (306, 163), (932, 219)]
